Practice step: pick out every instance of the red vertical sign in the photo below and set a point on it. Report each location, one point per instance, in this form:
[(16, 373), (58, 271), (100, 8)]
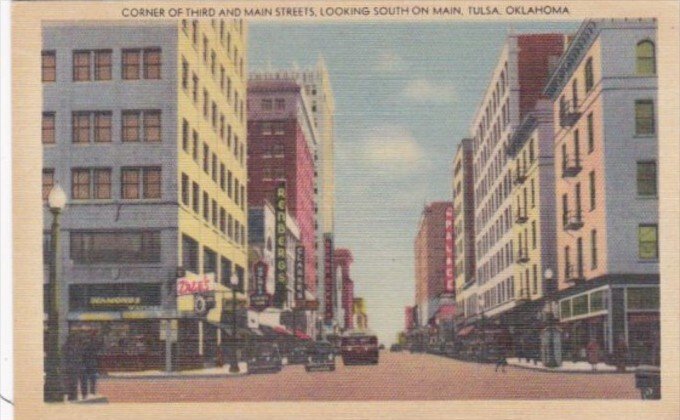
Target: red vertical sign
[(449, 255), (328, 278)]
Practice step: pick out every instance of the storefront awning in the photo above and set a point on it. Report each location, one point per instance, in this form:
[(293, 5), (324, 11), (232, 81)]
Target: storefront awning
[(465, 331), (281, 330), (301, 335)]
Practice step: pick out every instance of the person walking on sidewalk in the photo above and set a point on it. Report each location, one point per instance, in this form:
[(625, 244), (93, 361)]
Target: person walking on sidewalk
[(72, 364), (90, 366), (593, 353), (504, 346)]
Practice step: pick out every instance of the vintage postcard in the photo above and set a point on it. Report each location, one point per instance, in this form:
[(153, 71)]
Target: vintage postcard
[(348, 209)]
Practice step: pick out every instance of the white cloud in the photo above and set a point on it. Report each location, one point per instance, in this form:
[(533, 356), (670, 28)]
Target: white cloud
[(389, 61), (391, 149), (423, 90)]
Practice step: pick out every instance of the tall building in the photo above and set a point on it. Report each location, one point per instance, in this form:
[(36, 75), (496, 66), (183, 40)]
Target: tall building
[(531, 152), (464, 230), (604, 93), (282, 142), (316, 88), (343, 260), (515, 86), (430, 259), (144, 126)]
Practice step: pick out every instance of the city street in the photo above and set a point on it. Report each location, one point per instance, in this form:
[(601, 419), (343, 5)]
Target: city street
[(398, 376)]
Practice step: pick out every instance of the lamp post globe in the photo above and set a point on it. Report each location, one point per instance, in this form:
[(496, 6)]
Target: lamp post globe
[(233, 364), (56, 199)]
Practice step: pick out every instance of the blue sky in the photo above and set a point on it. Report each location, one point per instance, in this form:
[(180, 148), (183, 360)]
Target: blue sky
[(405, 95)]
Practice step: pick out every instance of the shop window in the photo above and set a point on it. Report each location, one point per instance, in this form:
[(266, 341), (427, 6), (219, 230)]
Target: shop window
[(642, 298), (565, 309), (580, 305), (598, 301)]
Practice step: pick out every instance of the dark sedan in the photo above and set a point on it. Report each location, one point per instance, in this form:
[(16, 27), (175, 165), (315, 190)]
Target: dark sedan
[(297, 356), (265, 358), (320, 357)]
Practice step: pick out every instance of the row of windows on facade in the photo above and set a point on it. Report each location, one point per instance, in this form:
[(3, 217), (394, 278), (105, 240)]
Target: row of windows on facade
[(226, 87), (225, 41), (221, 220), (215, 167), (97, 65), (492, 105), (644, 125), (96, 126), (492, 138), (191, 263), (646, 181), (645, 65), (136, 183)]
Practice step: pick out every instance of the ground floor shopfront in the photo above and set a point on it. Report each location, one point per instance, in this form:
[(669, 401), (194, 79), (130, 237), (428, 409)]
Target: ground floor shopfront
[(619, 317)]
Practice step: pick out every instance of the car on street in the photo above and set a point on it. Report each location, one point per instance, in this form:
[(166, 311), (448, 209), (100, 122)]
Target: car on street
[(321, 356), (359, 346), (396, 348), (297, 356), (265, 358)]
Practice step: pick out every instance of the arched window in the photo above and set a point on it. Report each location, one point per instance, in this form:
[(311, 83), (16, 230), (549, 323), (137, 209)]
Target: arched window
[(645, 58)]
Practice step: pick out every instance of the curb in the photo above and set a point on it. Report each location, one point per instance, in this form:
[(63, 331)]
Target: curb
[(571, 371), (174, 376)]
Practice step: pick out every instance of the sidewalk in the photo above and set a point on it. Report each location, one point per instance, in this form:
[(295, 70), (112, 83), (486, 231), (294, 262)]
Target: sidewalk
[(193, 373), (567, 367), (91, 399)]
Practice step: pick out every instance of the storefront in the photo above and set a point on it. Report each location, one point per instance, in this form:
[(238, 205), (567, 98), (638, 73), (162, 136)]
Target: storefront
[(610, 315)]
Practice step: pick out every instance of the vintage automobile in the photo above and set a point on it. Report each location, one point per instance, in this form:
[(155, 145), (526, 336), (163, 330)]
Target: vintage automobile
[(321, 356), (395, 348), (648, 381), (265, 358), (298, 355), (359, 346)]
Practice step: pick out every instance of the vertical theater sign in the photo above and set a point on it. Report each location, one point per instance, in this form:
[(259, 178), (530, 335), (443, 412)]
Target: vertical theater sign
[(280, 267), (299, 276), (329, 288), (448, 248)]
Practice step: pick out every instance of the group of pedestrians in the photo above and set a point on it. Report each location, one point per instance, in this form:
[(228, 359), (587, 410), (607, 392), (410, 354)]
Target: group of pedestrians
[(81, 364)]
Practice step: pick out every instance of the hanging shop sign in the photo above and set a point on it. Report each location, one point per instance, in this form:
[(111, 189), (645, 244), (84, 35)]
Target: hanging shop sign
[(260, 299), (280, 267), (329, 288), (190, 285), (449, 254), (115, 297), (299, 275)]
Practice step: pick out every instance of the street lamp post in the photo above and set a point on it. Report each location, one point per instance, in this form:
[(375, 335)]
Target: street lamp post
[(54, 390), (233, 364), (482, 327), (552, 359)]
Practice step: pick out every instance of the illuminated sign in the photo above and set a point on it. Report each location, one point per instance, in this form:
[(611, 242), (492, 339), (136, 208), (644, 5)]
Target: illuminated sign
[(260, 299), (300, 274), (280, 267), (195, 284), (449, 254), (328, 277)]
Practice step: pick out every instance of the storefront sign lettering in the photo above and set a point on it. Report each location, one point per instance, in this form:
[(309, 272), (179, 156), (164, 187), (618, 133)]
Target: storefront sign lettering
[(280, 267), (299, 273)]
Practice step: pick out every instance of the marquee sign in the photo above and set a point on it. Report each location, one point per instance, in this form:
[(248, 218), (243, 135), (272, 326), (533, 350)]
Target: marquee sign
[(280, 267), (260, 299), (300, 274), (328, 277), (449, 254)]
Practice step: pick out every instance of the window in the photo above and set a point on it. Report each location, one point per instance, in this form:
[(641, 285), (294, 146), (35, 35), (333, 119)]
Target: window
[(535, 282), (80, 184), (47, 182), (185, 189), (80, 122), (213, 61), (266, 104), (214, 116), (646, 178), (223, 220), (185, 74), (209, 261), (205, 49), (280, 104), (533, 234), (131, 64), (49, 66), (206, 158), (206, 102), (102, 65), (102, 183), (115, 247), (195, 204), (533, 194), (206, 206), (642, 298), (243, 197), (225, 271), (194, 151), (48, 126), (236, 191), (580, 305), (136, 123), (644, 117), (81, 66), (591, 179), (229, 183), (648, 244), (194, 90), (152, 63), (590, 80), (185, 135), (102, 127), (189, 254), (565, 309), (143, 182), (214, 213), (214, 167), (593, 249), (591, 133), (266, 128), (223, 177), (645, 64), (194, 32)]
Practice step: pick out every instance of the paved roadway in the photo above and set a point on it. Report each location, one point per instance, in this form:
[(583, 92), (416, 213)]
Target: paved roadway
[(398, 376)]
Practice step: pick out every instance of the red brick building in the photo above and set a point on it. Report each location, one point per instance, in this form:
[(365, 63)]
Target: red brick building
[(281, 147)]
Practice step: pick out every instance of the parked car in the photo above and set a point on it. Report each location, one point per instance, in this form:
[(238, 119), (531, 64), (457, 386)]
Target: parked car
[(359, 346), (265, 358), (648, 381), (320, 356), (297, 356), (381, 347), (395, 348)]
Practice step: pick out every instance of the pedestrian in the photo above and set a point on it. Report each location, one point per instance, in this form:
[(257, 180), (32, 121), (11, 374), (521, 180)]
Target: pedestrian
[(593, 353), (72, 363), (504, 345), (621, 353), (90, 366)]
